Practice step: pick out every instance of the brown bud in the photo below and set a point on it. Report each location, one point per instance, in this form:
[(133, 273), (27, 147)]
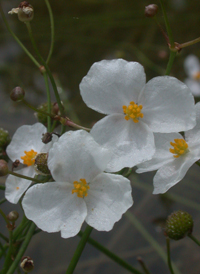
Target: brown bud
[(27, 264), (151, 10), (3, 168), (17, 94), (25, 12), (47, 137), (13, 216)]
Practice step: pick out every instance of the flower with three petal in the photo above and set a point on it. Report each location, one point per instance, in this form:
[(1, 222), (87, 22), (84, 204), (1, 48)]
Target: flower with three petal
[(81, 191), (174, 156), (134, 109), (25, 145)]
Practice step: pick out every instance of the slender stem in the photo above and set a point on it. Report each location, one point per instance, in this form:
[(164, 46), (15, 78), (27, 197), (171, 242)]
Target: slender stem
[(8, 259), (46, 67), (24, 177), (72, 124), (52, 30), (3, 201), (168, 255), (22, 250), (37, 110), (4, 216), (79, 250), (148, 237), (170, 62), (48, 102), (17, 39), (4, 237), (141, 262), (169, 31), (111, 255), (190, 43), (194, 239), (2, 249), (128, 173)]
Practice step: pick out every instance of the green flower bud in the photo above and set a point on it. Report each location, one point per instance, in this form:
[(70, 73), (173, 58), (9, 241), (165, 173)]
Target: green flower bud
[(27, 264), (179, 224), (17, 94), (41, 164), (13, 216), (151, 10), (4, 138), (3, 168)]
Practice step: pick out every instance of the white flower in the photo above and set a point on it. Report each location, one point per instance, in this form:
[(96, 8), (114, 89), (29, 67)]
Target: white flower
[(26, 143), (81, 191), (174, 156), (134, 109), (192, 68)]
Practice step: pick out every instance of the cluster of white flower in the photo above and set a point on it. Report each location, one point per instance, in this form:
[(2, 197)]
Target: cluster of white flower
[(140, 129)]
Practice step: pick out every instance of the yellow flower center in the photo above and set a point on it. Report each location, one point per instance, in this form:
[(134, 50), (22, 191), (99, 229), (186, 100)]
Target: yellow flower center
[(81, 188), (196, 76), (180, 147), (29, 158), (133, 111)]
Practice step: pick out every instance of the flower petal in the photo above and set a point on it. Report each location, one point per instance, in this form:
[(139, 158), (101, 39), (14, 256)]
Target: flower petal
[(168, 105), (25, 139), (52, 207), (131, 143), (110, 84), (108, 198), (15, 186), (191, 65), (162, 155), (173, 172), (76, 155), (194, 86)]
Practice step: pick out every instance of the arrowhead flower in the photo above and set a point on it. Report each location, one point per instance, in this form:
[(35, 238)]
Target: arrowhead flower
[(174, 156), (26, 144), (192, 68), (81, 191), (135, 109)]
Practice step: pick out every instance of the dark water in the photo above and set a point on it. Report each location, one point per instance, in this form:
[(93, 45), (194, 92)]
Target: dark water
[(86, 32)]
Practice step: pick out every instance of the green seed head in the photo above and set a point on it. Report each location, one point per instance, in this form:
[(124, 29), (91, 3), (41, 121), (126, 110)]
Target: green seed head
[(179, 224)]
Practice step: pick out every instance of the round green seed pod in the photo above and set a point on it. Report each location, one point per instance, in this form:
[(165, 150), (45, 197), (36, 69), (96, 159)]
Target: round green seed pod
[(41, 164), (3, 168), (179, 224), (42, 118), (4, 138)]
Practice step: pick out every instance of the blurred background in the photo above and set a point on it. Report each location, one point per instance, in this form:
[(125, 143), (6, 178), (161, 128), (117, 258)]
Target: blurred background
[(87, 31)]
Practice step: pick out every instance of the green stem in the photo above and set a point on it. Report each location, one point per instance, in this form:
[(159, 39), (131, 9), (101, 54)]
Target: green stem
[(4, 237), (23, 177), (128, 173), (170, 62), (79, 250), (48, 102), (3, 201), (46, 67), (17, 39), (148, 237), (4, 216), (52, 30), (111, 255), (194, 239), (72, 124), (21, 250), (190, 43), (168, 255), (169, 31), (37, 110), (8, 259), (2, 249)]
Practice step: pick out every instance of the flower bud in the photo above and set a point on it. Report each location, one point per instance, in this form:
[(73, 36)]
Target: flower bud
[(13, 216), (3, 168), (47, 137), (179, 224), (17, 94), (4, 142), (25, 12), (27, 264), (41, 164), (151, 10)]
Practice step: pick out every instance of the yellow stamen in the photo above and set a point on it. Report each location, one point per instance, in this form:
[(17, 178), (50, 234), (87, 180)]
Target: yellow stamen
[(196, 76), (29, 158), (133, 111), (81, 188), (180, 147)]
